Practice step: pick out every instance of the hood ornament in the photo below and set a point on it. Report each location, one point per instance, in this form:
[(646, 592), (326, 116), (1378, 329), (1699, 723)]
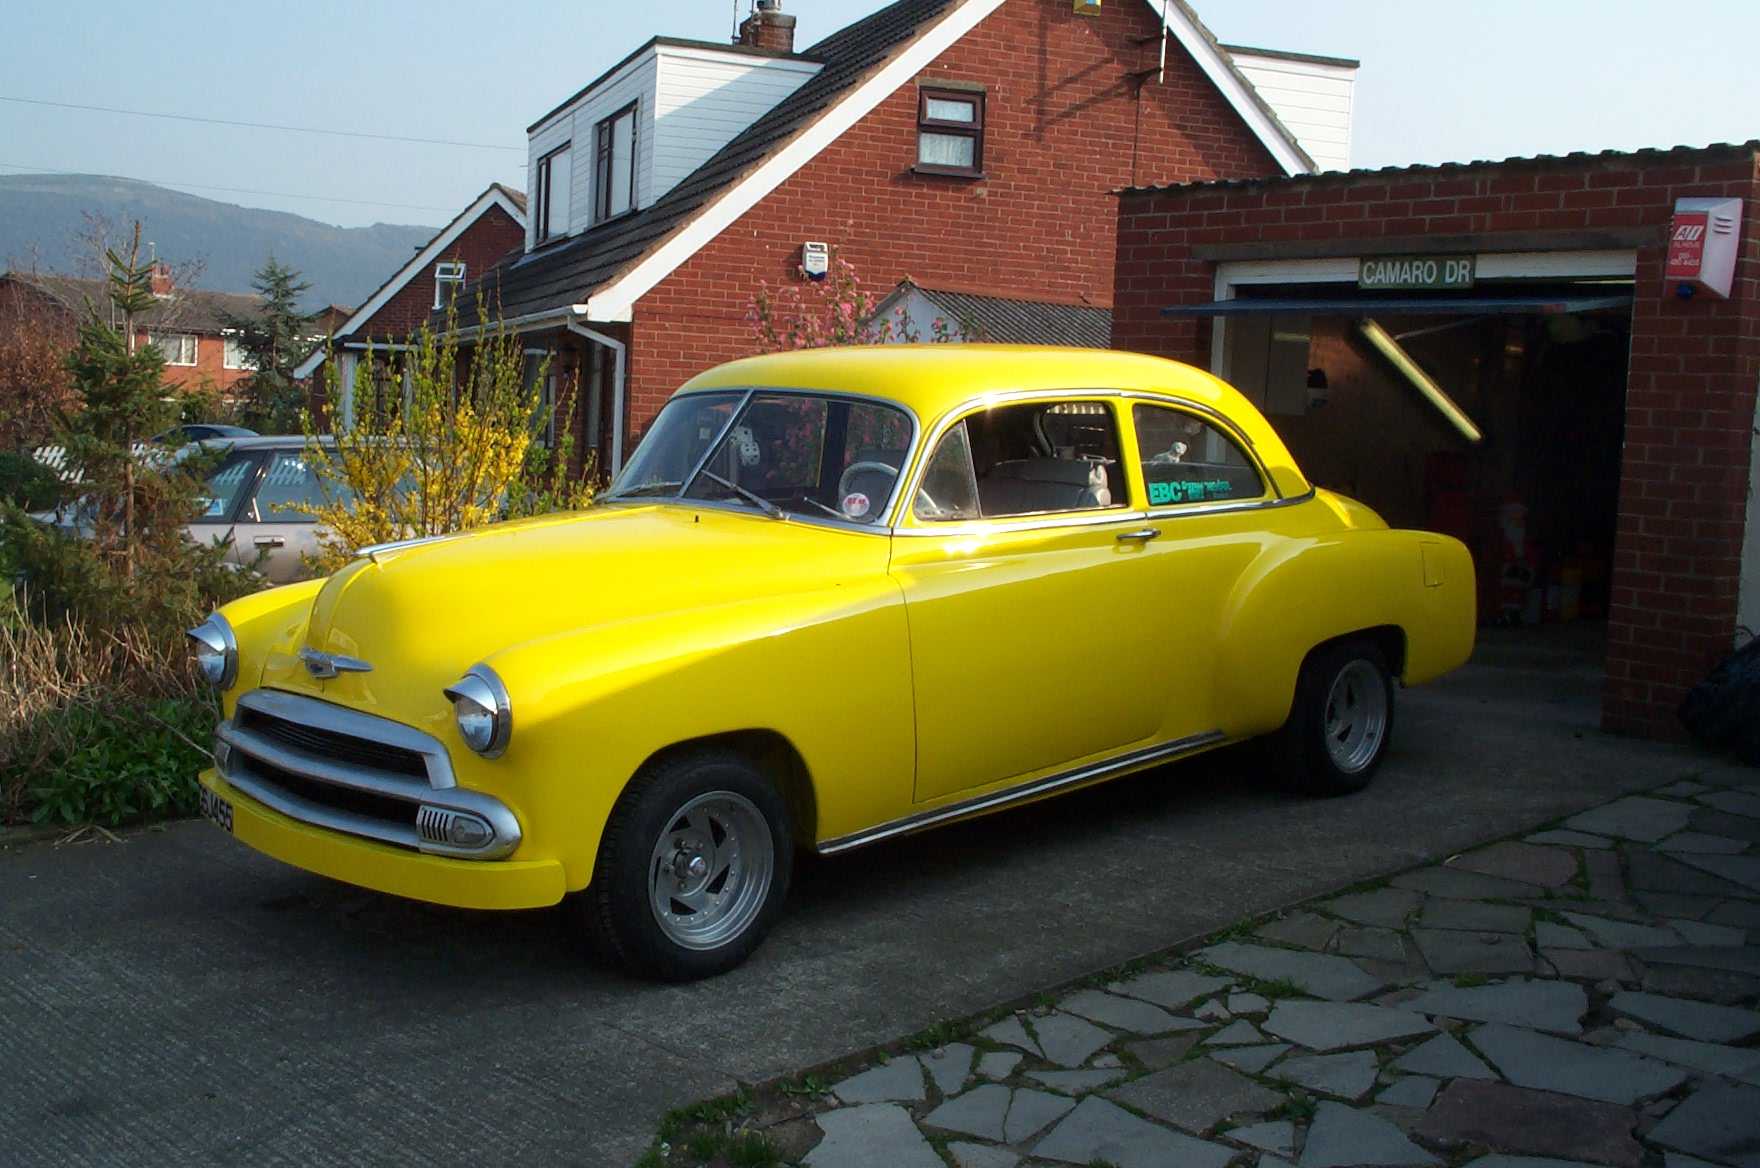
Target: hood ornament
[(325, 666)]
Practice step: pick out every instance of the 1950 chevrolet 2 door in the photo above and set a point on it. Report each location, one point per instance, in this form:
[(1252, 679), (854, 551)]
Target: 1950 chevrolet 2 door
[(834, 596)]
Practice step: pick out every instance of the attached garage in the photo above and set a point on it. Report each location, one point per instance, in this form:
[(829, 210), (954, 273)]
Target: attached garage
[(1501, 351)]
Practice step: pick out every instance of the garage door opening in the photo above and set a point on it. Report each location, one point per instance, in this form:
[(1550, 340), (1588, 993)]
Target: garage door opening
[(1539, 369)]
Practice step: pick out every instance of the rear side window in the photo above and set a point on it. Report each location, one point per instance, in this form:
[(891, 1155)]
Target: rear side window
[(1187, 460)]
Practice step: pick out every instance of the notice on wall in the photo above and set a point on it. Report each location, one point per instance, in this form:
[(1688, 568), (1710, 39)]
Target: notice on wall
[(1417, 273)]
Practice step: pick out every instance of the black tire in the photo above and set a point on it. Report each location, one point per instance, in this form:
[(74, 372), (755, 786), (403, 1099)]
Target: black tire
[(1306, 760), (618, 905)]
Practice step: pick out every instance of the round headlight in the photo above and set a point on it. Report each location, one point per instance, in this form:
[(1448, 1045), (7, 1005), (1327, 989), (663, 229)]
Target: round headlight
[(482, 710), (215, 650)]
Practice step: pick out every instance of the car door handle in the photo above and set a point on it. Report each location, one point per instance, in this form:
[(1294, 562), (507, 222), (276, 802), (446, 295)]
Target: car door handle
[(267, 541), (1140, 535)]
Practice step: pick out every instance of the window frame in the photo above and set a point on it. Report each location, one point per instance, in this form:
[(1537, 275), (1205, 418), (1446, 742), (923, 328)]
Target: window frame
[(604, 161), (195, 347), (973, 129), (253, 513), (247, 489), (1267, 485), (546, 196), (447, 272), (906, 523), (229, 341), (1122, 507)]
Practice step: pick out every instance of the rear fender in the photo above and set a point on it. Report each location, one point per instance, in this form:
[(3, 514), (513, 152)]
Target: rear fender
[(1305, 592)]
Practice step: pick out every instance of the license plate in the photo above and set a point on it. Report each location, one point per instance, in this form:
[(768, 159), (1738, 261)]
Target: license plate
[(216, 809)]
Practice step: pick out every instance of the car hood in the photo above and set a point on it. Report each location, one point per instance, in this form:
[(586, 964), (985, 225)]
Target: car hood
[(422, 614)]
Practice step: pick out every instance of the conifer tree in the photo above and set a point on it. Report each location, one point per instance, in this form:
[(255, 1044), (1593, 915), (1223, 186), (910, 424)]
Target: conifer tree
[(275, 339)]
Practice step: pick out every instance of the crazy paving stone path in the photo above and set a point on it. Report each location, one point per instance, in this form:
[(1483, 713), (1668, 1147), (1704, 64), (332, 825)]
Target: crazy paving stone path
[(1586, 995)]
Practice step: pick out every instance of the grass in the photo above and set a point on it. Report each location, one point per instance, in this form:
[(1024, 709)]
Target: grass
[(1277, 987), (939, 1034), (710, 1111), (1298, 1107), (807, 1086)]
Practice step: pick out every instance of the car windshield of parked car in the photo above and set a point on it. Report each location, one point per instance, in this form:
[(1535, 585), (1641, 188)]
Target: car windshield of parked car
[(813, 455)]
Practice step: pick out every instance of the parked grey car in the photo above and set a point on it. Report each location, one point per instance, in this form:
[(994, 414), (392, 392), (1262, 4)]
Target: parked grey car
[(263, 494)]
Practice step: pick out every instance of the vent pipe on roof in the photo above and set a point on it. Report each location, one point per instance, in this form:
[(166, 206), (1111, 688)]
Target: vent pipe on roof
[(768, 27)]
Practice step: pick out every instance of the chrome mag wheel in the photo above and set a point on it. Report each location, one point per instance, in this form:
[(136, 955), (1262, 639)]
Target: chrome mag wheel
[(710, 871), (1356, 716)]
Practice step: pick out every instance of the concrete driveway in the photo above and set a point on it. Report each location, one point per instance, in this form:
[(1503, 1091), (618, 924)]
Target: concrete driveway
[(176, 998)]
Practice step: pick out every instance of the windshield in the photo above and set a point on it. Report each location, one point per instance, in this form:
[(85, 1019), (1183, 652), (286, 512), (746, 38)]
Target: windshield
[(815, 455)]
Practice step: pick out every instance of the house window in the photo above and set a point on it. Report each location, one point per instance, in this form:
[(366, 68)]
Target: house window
[(950, 132), (555, 171), (235, 355), (615, 178), (448, 279), (178, 348)]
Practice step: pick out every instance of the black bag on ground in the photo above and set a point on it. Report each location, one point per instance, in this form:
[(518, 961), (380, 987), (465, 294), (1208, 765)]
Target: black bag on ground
[(1724, 709)]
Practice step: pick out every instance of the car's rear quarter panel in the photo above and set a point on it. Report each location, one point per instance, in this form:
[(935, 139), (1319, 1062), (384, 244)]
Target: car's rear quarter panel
[(1309, 589)]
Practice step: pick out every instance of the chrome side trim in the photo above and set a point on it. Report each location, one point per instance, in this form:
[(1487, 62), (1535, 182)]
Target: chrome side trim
[(1260, 504), (995, 799), (1035, 521), (329, 716)]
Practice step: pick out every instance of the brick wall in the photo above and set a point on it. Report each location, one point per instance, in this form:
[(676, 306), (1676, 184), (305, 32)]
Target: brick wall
[(1061, 118), (1693, 373), (492, 236), (210, 367)]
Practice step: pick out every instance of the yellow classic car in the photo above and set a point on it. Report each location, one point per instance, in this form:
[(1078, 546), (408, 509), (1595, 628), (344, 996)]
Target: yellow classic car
[(834, 596)]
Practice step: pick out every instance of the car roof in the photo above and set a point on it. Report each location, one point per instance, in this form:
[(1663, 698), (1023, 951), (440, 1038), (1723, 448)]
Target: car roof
[(935, 379), (263, 441)]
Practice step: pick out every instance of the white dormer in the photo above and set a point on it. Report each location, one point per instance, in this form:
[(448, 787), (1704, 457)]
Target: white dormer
[(633, 134), (1313, 97)]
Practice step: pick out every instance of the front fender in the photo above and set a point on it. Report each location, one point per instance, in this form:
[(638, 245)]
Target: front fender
[(1304, 592), (829, 671), (265, 623)]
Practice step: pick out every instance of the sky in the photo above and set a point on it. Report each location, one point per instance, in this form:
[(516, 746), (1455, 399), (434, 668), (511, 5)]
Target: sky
[(1439, 82)]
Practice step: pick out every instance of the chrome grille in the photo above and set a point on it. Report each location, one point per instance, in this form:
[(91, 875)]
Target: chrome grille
[(329, 744), (351, 772)]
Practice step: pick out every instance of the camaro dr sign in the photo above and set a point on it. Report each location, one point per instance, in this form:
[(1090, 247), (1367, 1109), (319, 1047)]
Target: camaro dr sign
[(1410, 273)]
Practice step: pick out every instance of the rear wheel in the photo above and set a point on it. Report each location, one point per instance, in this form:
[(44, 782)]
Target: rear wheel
[(1341, 721), (693, 867)]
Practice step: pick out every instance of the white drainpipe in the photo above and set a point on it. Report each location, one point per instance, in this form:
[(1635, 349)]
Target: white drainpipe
[(617, 422)]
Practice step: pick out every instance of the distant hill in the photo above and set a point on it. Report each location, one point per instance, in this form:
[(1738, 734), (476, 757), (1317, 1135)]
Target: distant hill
[(41, 218)]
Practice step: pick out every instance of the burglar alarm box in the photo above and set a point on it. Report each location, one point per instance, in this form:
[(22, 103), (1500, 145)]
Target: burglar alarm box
[(815, 260), (1087, 7), (1702, 244)]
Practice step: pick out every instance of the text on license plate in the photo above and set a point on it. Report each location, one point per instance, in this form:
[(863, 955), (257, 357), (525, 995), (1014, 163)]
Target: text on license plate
[(216, 809)]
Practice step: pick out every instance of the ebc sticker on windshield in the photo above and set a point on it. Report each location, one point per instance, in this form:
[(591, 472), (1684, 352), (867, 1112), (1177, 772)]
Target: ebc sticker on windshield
[(855, 504), (1193, 492)]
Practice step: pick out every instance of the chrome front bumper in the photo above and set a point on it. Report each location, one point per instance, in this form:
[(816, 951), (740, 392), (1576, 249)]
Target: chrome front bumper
[(366, 776)]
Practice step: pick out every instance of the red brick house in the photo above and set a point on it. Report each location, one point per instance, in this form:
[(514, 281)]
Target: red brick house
[(969, 145), (1595, 441), (188, 324), (486, 231)]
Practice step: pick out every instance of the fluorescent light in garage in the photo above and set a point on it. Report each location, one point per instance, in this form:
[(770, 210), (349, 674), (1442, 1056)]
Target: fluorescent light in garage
[(1424, 383)]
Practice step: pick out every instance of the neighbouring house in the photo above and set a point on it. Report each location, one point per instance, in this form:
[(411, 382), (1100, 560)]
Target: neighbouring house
[(189, 325), (971, 146), (486, 231), (1536, 355)]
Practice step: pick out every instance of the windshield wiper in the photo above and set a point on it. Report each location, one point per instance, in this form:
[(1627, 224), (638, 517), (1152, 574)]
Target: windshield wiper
[(752, 497)]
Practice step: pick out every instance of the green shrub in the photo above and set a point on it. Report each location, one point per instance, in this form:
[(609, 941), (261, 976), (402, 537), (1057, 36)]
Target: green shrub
[(115, 763), (27, 482)]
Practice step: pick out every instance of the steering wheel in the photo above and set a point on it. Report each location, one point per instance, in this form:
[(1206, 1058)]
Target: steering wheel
[(854, 468)]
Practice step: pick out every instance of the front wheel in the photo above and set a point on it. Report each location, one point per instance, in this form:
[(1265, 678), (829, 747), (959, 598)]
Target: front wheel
[(693, 867), (1341, 720)]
